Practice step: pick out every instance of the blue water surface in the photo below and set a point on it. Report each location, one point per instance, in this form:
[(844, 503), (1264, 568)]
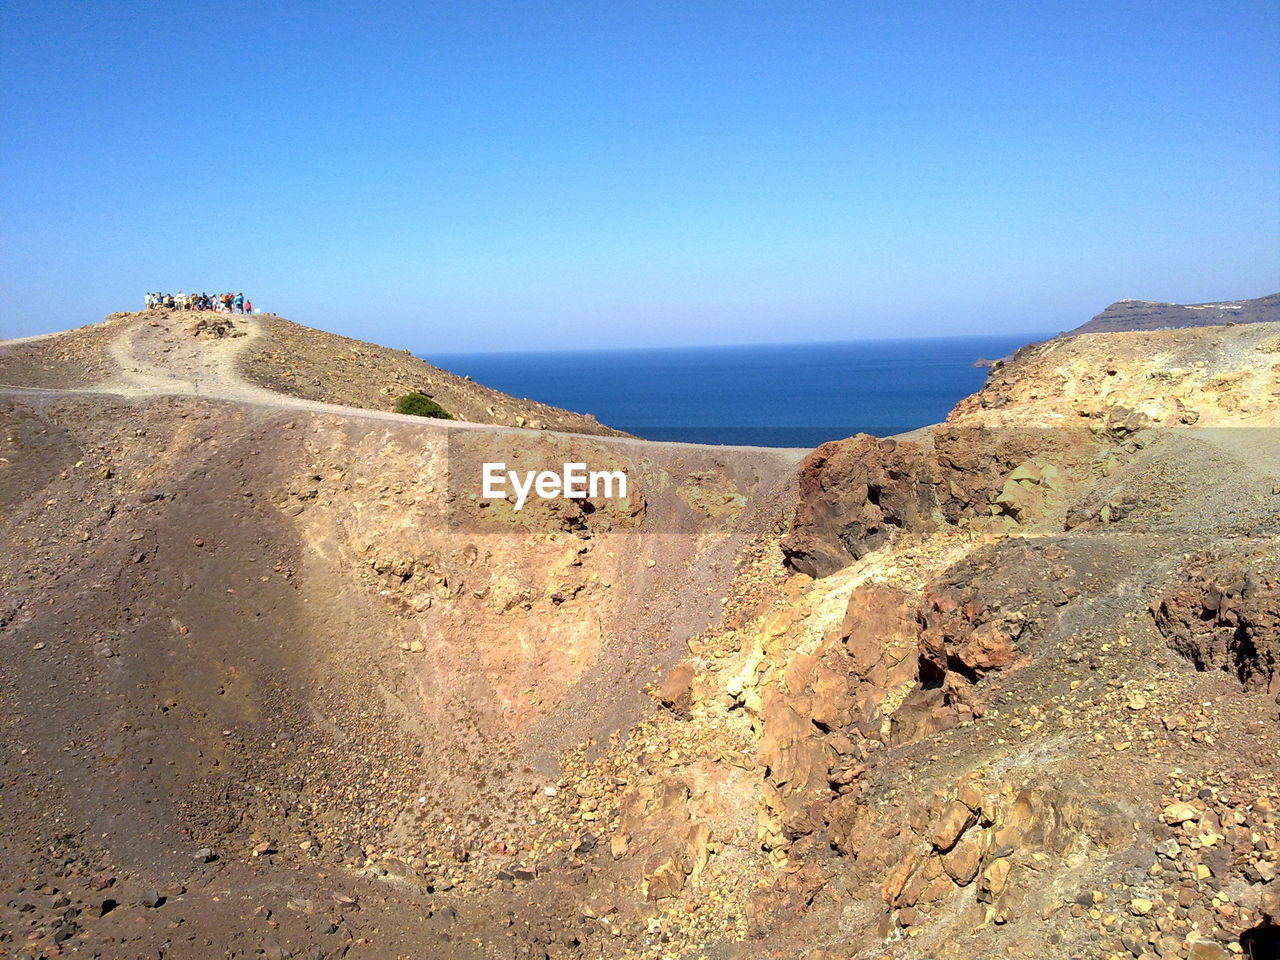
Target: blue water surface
[(782, 395)]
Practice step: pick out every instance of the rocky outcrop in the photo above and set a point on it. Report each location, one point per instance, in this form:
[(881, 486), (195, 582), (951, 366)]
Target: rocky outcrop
[(216, 326), (1223, 613), (856, 494), (979, 615), (821, 716), (853, 494), (1110, 385), (983, 615), (988, 840), (657, 831)]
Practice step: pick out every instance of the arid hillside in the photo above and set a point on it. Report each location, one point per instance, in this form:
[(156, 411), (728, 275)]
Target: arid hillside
[(1207, 376), (316, 365), (214, 354), (277, 683)]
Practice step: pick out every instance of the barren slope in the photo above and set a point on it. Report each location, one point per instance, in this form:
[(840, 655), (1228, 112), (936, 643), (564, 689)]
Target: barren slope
[(220, 354), (1006, 687), (237, 620), (323, 366)]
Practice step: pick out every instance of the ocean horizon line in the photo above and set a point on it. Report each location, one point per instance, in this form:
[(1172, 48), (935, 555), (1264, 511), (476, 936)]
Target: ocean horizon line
[(773, 344)]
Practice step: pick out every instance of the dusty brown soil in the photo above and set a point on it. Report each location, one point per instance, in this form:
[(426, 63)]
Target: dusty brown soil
[(316, 365), (275, 685), (74, 358)]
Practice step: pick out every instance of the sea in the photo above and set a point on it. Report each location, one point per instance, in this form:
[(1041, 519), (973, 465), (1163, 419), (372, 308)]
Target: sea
[(776, 395)]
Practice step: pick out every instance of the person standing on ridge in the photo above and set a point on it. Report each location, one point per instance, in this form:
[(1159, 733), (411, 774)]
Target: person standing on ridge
[(239, 303)]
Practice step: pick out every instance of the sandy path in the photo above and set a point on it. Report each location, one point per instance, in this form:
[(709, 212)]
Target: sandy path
[(159, 357)]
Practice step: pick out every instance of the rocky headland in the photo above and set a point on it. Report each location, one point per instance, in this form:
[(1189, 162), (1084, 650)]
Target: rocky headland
[(1126, 315)]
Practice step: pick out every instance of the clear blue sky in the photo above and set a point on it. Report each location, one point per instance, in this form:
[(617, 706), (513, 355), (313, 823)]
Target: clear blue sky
[(497, 175)]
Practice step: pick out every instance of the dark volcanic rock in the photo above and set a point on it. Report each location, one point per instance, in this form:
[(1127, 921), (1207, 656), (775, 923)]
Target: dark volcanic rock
[(1225, 614), (855, 493), (989, 609), (1153, 315), (852, 494)]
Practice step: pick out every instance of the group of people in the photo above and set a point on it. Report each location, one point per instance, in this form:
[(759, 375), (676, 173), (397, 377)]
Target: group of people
[(224, 303)]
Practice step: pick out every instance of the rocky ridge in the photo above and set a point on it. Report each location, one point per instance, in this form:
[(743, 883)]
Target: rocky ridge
[(1126, 315)]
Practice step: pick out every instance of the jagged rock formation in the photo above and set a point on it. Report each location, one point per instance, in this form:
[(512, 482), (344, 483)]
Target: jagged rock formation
[(275, 684), (853, 493), (1126, 315), (1225, 615)]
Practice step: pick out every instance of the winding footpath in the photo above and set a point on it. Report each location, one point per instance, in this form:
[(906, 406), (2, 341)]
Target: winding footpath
[(158, 355)]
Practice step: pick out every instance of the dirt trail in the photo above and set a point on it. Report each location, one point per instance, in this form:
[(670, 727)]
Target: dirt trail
[(158, 357), (285, 638), (153, 358)]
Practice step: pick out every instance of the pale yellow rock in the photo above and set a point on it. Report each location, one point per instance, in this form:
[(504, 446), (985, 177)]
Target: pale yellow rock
[(1026, 472), (995, 877), (1140, 906), (1176, 813)]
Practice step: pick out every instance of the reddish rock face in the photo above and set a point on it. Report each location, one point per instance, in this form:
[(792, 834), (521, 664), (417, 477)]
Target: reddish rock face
[(852, 494), (959, 637), (983, 613), (1224, 614)]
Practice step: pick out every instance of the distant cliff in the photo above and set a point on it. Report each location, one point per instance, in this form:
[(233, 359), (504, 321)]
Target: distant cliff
[(1151, 315)]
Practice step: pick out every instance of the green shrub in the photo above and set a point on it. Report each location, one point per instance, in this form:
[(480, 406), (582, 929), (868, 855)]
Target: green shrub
[(420, 405)]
